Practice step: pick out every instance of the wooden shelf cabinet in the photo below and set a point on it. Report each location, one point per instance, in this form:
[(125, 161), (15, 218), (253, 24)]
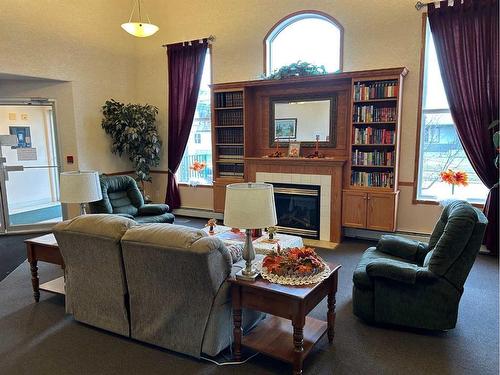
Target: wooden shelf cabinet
[(369, 210)]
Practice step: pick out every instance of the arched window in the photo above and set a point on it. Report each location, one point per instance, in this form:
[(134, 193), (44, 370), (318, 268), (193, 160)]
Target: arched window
[(310, 36)]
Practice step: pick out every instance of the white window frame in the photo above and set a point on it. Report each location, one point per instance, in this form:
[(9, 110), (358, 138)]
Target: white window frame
[(290, 19)]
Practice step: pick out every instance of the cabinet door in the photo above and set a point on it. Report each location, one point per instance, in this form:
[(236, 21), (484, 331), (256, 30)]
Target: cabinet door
[(381, 211), (219, 197), (354, 209)]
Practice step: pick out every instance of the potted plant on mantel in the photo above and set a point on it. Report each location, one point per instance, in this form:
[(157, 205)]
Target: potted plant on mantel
[(133, 131)]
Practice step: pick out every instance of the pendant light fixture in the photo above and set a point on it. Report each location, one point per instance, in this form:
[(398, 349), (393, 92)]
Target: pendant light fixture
[(139, 29)]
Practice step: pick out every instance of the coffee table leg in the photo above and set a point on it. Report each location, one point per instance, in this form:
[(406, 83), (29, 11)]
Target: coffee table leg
[(298, 344), (34, 280), (331, 309), (237, 323)]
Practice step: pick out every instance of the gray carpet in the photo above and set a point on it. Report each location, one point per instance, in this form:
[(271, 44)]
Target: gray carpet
[(41, 339)]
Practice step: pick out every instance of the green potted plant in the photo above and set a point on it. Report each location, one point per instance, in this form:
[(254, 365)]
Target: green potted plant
[(133, 131)]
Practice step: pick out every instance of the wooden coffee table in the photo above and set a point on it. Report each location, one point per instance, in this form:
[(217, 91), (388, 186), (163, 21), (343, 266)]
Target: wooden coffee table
[(274, 336), (45, 249)]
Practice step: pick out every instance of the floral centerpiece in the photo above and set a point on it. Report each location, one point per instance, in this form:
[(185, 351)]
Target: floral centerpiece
[(295, 266), (454, 178), (197, 167)]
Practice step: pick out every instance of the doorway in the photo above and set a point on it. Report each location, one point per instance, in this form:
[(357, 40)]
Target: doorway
[(29, 166)]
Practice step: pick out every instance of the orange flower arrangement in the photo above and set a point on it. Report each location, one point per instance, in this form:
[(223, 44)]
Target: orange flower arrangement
[(297, 261), (455, 178), (198, 166)]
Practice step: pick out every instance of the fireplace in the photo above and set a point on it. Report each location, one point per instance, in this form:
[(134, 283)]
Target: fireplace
[(298, 209)]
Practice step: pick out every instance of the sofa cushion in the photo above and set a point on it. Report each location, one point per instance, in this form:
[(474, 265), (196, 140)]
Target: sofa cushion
[(102, 225)]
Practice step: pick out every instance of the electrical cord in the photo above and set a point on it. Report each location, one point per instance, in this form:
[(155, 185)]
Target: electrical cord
[(229, 363)]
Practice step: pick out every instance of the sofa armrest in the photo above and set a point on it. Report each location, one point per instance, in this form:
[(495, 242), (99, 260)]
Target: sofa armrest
[(402, 247), (153, 209), (397, 270)]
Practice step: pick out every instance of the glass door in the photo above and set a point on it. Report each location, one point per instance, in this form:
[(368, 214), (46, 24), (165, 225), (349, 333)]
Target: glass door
[(29, 168)]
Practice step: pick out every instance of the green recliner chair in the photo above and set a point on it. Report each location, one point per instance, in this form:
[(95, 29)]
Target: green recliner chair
[(121, 196), (419, 285)]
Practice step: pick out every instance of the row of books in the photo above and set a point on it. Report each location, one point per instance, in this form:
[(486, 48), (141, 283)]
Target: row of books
[(231, 170), (229, 99), (231, 135), (230, 152), (370, 113), (382, 158), (230, 117), (372, 179), (370, 135), (375, 90)]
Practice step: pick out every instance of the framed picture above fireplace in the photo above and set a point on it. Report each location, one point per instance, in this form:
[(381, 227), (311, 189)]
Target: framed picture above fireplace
[(285, 128)]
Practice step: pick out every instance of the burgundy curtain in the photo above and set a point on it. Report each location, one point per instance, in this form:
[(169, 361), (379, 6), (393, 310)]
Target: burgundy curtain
[(466, 39), (185, 68)]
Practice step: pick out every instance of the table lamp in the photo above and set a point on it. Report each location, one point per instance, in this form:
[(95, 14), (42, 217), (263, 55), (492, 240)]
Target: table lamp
[(249, 206), (80, 187)]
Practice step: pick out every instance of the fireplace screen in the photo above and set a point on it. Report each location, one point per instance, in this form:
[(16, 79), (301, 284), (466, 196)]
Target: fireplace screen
[(297, 209)]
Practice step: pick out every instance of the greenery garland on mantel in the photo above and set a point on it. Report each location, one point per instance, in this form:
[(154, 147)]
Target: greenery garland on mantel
[(297, 69)]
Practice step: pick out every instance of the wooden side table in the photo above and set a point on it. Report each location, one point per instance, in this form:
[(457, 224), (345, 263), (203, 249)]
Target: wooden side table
[(274, 335), (45, 249)]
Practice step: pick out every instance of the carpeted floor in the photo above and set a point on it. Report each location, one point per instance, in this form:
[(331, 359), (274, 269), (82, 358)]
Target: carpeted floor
[(41, 339), (12, 252)]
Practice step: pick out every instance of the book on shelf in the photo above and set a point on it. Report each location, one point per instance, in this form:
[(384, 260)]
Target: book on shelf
[(372, 179), (229, 99), (371, 113), (373, 158), (375, 90), (230, 117), (370, 135)]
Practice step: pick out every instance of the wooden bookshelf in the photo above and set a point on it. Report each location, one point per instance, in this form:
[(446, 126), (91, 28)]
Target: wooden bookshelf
[(372, 191), (228, 139)]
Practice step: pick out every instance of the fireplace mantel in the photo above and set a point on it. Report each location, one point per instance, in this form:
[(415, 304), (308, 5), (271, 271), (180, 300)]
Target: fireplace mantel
[(330, 168), (324, 162)]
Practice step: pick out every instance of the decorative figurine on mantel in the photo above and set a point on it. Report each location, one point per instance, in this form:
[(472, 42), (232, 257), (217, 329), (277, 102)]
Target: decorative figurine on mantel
[(271, 231), (277, 153), (211, 224), (316, 153)]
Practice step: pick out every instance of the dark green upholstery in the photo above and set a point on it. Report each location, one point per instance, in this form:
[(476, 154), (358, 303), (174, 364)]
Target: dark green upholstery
[(121, 196), (414, 284)]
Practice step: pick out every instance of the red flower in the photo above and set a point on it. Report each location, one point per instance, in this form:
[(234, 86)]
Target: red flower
[(455, 178)]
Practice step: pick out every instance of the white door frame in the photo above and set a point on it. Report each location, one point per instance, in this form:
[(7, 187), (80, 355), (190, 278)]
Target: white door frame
[(6, 227)]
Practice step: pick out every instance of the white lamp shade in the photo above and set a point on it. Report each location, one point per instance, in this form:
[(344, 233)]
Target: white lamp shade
[(140, 29), (250, 206), (80, 187)]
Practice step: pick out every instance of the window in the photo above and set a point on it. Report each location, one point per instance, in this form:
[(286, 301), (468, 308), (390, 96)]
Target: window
[(312, 37), (440, 148), (197, 138), (199, 146)]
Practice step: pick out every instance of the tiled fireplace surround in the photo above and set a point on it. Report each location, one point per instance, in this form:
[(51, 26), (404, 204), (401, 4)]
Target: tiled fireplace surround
[(326, 172), (324, 181)]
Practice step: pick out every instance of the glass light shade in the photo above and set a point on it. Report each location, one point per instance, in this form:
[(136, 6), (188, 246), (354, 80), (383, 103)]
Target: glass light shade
[(80, 187), (140, 29), (250, 206)]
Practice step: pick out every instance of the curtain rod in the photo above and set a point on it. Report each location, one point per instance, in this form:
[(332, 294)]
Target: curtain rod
[(419, 5), (211, 38)]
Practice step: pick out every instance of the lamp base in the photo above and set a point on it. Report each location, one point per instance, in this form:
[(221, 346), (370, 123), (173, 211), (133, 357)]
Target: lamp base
[(243, 276)]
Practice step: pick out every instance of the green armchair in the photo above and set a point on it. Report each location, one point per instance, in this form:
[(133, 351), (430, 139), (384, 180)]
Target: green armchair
[(121, 196), (419, 285)]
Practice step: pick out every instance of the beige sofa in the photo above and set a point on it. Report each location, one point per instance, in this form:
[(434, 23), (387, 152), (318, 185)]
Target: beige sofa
[(158, 283)]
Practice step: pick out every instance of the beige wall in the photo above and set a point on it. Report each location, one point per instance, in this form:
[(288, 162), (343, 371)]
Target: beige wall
[(80, 42), (378, 34)]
